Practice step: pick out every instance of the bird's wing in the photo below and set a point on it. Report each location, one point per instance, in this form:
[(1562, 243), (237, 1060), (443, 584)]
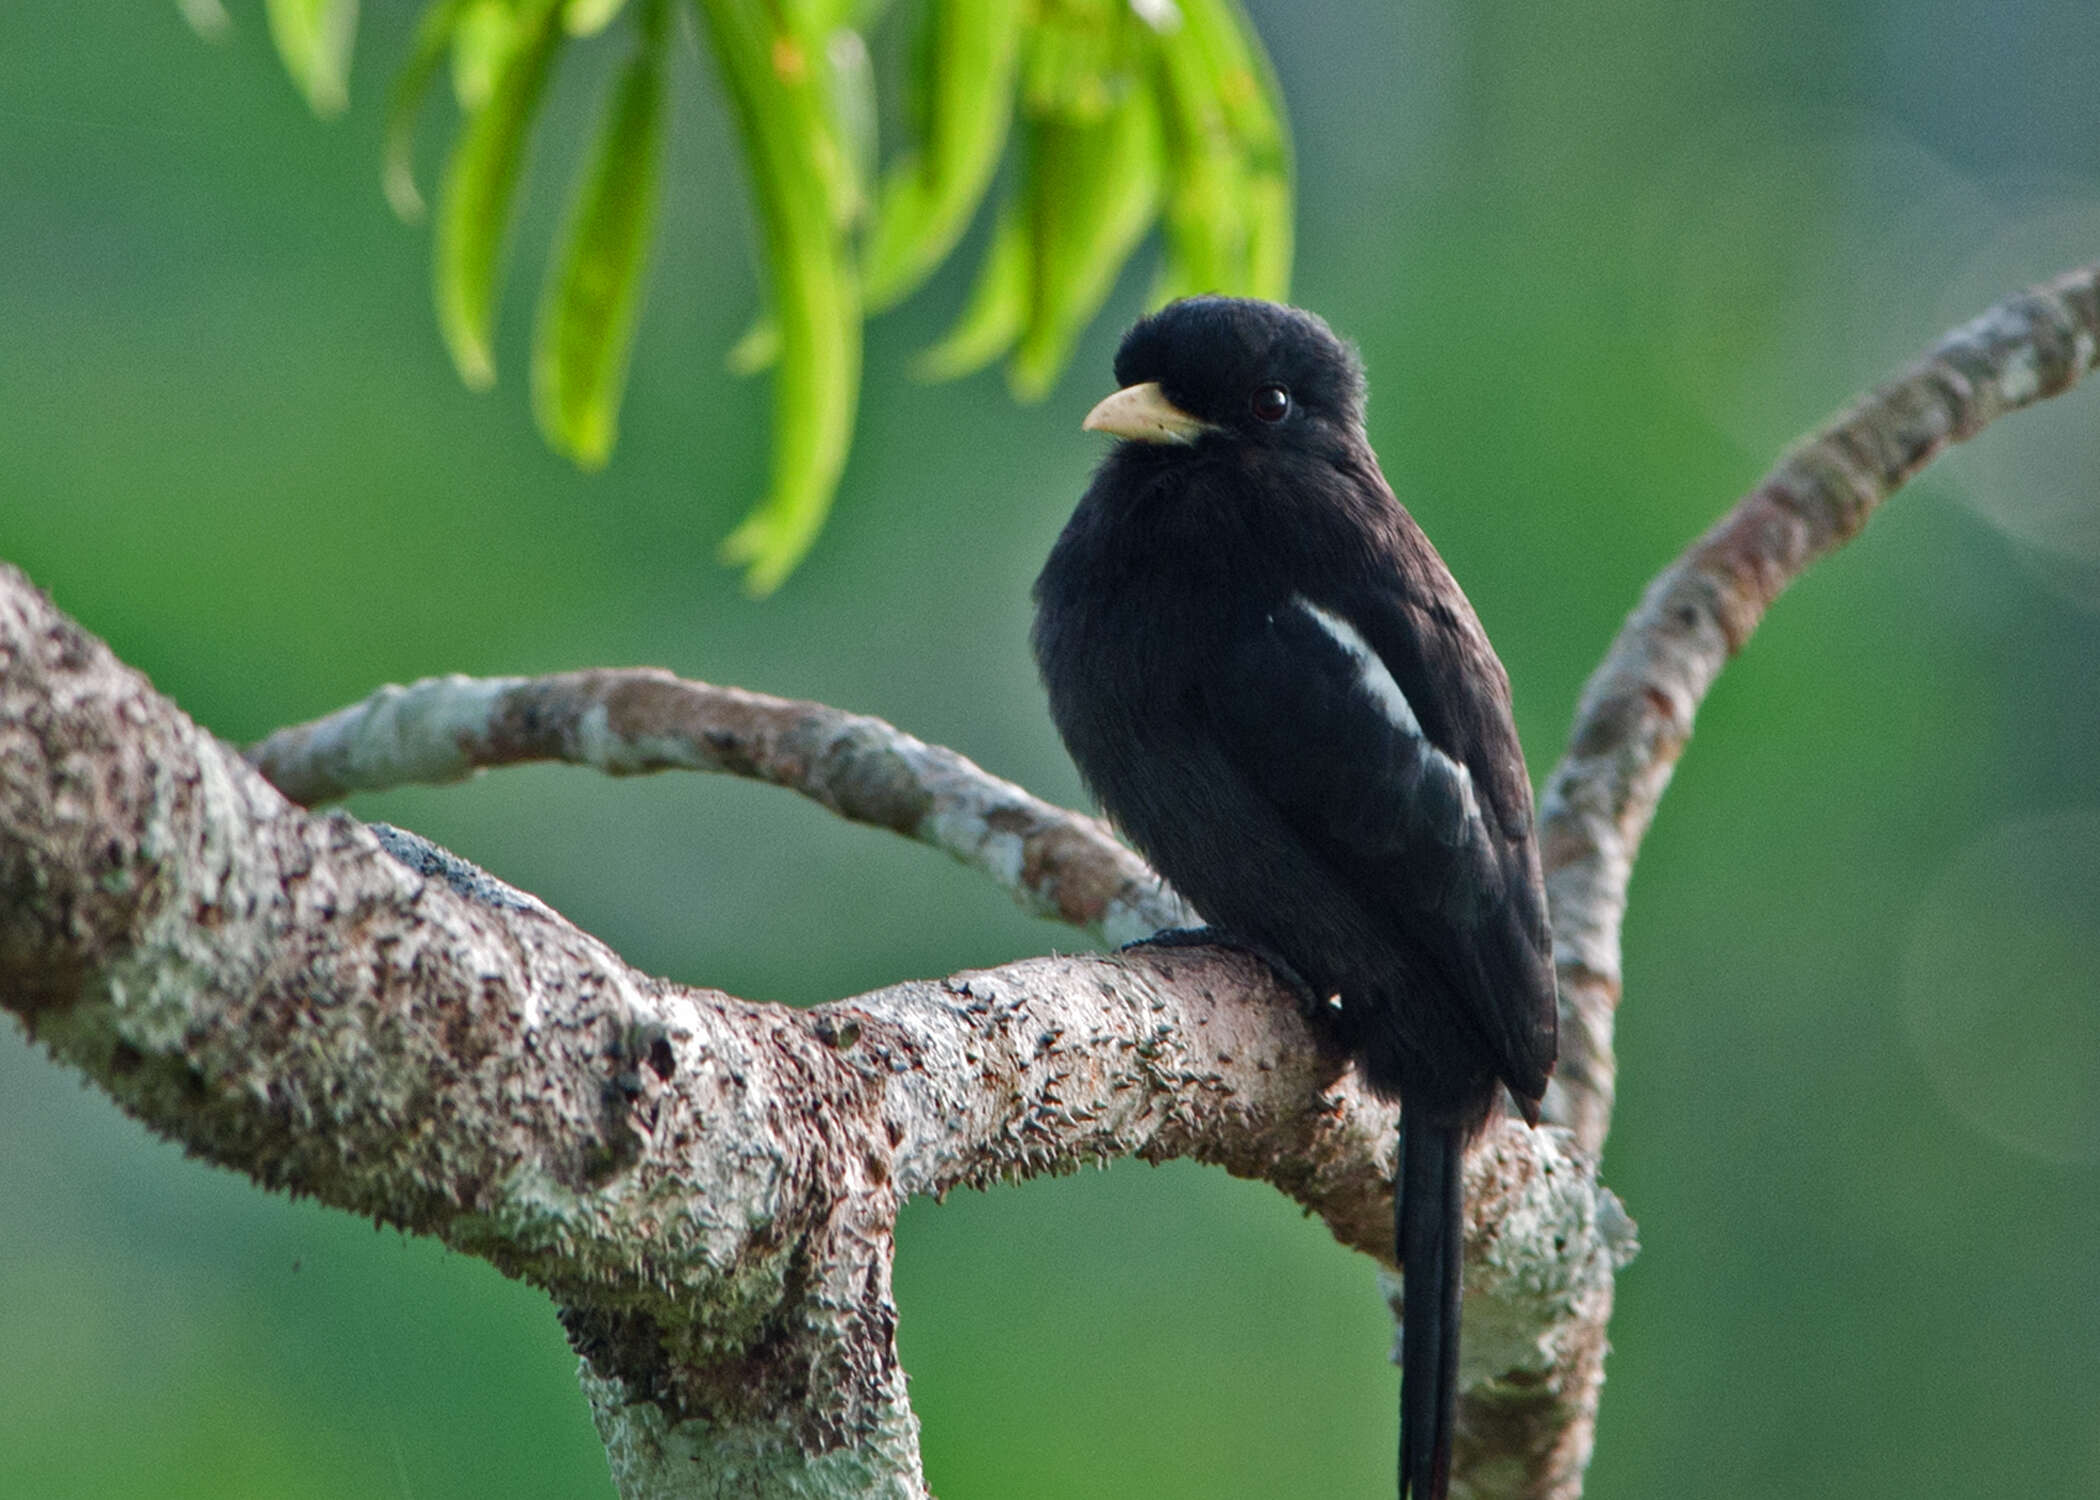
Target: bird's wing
[(1312, 715), (1372, 776)]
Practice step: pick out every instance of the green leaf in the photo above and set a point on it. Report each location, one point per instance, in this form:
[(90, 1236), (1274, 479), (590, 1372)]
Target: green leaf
[(1207, 209), (849, 95), (998, 307), (814, 50), (411, 85), (1093, 190), (754, 352), (817, 18), (589, 17), (587, 313), (481, 181), (481, 41), (848, 86), (1071, 67), (1269, 256), (1228, 199), (207, 18), (796, 164), (967, 58), (1236, 70), (313, 39)]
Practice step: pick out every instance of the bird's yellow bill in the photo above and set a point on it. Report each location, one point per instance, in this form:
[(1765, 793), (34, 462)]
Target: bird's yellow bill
[(1144, 414)]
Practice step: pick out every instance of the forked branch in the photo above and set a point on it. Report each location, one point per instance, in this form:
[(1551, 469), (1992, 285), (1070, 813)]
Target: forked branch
[(708, 1186)]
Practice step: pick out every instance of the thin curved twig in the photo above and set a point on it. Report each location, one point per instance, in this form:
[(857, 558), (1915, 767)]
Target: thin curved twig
[(1636, 713), (1056, 863), (1633, 722)]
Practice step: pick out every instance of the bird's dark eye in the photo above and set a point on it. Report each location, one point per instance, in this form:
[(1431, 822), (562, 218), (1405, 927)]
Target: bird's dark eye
[(1272, 403)]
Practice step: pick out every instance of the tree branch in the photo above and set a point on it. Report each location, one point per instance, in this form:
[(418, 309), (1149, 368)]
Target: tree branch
[(708, 1186), (1636, 712), (1056, 863), (1635, 717)]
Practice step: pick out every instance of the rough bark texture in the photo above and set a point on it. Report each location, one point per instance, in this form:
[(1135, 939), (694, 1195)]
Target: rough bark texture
[(708, 1186)]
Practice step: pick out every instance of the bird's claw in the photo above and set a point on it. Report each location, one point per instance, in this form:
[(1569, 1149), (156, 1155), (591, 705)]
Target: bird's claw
[(1182, 937), (1315, 1007)]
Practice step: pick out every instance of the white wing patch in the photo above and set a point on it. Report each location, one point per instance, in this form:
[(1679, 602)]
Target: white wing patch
[(1376, 679), (1371, 669)]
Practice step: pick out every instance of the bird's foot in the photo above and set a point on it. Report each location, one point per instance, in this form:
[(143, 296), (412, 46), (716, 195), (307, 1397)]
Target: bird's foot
[(1183, 937), (1317, 1008)]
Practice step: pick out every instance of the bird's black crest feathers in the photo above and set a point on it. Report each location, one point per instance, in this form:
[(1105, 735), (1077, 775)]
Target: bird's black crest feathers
[(1210, 353)]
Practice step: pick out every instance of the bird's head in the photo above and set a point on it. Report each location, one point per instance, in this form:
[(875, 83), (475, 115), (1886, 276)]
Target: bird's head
[(1209, 368)]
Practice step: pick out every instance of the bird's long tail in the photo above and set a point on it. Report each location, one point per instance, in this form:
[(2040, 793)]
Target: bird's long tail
[(1429, 1219)]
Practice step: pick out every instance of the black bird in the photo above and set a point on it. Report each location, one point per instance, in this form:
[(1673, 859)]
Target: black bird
[(1274, 686)]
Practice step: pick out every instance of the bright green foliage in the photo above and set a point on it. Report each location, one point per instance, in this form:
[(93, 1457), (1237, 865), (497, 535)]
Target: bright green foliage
[(433, 44), (1093, 168), (589, 17), (481, 182), (314, 38), (594, 288), (480, 41), (1229, 207), (1123, 114), (998, 307), (803, 176), (963, 79)]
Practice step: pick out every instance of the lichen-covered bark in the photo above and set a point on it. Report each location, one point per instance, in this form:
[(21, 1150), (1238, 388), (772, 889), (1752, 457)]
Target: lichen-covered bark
[(707, 1186)]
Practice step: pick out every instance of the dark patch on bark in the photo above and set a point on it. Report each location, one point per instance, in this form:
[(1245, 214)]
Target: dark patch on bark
[(465, 877), (627, 1347), (873, 788), (775, 1369)]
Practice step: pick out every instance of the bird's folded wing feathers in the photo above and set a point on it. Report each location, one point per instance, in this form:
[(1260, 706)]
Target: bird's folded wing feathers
[(1317, 722)]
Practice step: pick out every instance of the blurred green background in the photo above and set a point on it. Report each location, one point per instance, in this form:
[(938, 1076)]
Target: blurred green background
[(1603, 259)]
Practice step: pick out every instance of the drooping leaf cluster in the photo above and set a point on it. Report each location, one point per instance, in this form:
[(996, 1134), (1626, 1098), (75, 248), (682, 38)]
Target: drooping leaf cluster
[(1110, 116)]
